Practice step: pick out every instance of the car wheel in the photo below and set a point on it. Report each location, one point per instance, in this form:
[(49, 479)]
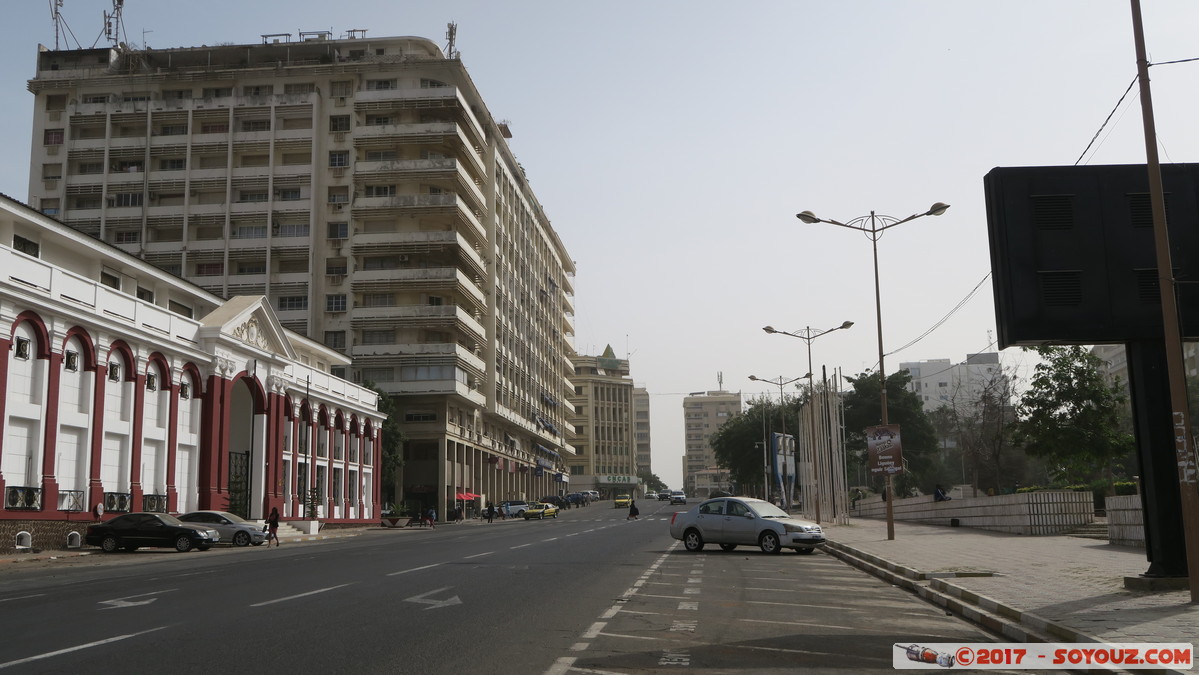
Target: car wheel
[(183, 544), (693, 541), (520, 514), (727, 547), (804, 551), (555, 515), (769, 542), (541, 516), (241, 539), (110, 544)]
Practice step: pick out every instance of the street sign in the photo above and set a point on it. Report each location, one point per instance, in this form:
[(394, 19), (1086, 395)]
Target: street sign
[(884, 450)]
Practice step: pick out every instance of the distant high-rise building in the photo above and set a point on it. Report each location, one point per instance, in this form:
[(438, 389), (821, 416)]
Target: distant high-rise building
[(605, 456), (703, 414), (938, 382), (641, 430), (362, 186)]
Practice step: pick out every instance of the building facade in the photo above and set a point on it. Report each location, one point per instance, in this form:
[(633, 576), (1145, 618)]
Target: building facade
[(940, 383), (641, 431), (603, 438), (703, 414), (128, 389), (363, 187)]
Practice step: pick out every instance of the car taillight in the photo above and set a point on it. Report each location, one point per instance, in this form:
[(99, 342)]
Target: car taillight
[(672, 517)]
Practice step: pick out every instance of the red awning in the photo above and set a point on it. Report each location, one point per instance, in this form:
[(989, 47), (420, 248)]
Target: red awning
[(468, 495)]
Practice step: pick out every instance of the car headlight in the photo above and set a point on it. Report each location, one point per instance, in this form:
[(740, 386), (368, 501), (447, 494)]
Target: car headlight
[(809, 529)]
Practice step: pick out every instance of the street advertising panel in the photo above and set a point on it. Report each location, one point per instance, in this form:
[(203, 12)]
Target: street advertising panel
[(884, 451), (783, 465)]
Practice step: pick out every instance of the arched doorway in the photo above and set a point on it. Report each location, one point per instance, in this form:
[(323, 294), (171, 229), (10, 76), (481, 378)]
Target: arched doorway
[(247, 431)]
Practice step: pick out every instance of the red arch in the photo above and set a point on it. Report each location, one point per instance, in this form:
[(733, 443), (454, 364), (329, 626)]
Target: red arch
[(256, 390), (126, 352), (39, 328), (89, 354)]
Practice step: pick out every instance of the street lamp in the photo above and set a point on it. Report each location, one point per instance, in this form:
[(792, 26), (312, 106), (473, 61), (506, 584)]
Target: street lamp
[(807, 335), (781, 382), (873, 227)]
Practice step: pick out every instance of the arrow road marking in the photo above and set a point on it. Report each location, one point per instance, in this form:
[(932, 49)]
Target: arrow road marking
[(127, 601), (434, 604)]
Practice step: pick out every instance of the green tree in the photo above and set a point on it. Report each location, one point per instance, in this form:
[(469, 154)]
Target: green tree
[(738, 442), (651, 481), (864, 409), (1071, 416), (391, 446)]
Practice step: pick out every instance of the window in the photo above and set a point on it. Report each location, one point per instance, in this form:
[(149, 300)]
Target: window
[(86, 168), (380, 262), (420, 416), (335, 339), (426, 83), (341, 88), (56, 102), (335, 266), (179, 308), (144, 294), (379, 85), (246, 196), (185, 391), (435, 301), (50, 206), (339, 194), (95, 98), (289, 195), (110, 279), (126, 237), (214, 128), (339, 158), (338, 371), (377, 374), (335, 302), (293, 266), (127, 199), (139, 96), (114, 372), (175, 164), (214, 92), (252, 267), (258, 90), (249, 232), (378, 300), (378, 337), (51, 171), (176, 94), (299, 88), (256, 125), (151, 382), (380, 155), (52, 137), (296, 158), (87, 202), (210, 269), (377, 120), (339, 230), (173, 130), (70, 361), (292, 303), (339, 123), (292, 230), (380, 190)]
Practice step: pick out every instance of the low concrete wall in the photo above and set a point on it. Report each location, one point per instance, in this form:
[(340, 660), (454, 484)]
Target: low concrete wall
[(1046, 512), (1125, 522)]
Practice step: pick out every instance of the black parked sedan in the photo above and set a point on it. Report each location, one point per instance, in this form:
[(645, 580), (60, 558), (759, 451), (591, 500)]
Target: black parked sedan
[(132, 531)]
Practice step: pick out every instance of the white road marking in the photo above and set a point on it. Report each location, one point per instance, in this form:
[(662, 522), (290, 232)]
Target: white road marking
[(23, 597), (594, 630), (127, 601), (414, 569), (435, 604), (521, 546), (631, 637), (76, 648), (478, 555), (561, 666), (799, 623), (301, 595)]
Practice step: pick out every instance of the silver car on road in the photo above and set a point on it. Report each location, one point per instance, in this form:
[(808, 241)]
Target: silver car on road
[(735, 521), (233, 528)]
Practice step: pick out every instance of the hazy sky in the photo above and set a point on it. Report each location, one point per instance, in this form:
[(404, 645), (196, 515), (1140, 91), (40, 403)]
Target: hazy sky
[(672, 143)]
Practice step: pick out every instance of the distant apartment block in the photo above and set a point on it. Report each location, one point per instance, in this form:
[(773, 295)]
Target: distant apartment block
[(938, 382), (703, 414), (603, 440), (363, 187), (641, 430)]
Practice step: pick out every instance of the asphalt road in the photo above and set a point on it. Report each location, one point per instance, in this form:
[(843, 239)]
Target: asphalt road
[(588, 592)]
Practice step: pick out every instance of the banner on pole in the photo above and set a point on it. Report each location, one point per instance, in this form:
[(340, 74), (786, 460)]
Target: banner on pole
[(884, 450)]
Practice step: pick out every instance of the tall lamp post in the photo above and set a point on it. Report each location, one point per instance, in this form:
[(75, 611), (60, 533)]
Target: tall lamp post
[(873, 226), (807, 335), (781, 382)]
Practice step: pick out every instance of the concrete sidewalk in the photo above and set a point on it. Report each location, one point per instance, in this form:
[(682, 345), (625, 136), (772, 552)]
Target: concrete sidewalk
[(1036, 589)]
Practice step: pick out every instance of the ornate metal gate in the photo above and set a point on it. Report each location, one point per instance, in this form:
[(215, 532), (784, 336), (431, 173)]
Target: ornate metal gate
[(239, 483)]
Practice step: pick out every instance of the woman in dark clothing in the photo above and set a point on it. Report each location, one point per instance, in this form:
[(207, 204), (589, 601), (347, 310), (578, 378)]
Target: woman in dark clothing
[(272, 527), (633, 512)]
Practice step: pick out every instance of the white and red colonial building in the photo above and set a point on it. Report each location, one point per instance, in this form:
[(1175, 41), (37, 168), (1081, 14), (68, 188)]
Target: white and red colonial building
[(128, 389)]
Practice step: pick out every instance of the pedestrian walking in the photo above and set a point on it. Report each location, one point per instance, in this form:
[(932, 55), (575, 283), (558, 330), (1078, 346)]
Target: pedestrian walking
[(272, 527), (633, 512), (432, 514), (490, 512)]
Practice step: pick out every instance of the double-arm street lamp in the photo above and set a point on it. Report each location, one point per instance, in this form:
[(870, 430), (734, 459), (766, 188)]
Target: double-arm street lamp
[(781, 382), (873, 226), (807, 335)]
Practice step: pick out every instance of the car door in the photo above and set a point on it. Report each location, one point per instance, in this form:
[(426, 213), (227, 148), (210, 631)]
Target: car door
[(710, 521), (740, 524)]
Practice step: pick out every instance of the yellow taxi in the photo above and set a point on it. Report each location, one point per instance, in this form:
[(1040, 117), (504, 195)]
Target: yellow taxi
[(540, 510), (622, 501)]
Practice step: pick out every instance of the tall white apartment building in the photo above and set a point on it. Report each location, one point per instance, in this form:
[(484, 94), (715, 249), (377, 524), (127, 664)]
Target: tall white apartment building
[(940, 383), (605, 456), (641, 430), (703, 414), (365, 189)]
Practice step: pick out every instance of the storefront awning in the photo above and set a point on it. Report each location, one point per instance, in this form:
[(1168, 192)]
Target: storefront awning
[(468, 495)]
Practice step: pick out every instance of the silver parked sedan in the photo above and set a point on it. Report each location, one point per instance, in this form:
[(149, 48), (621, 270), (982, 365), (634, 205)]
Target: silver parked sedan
[(233, 528), (734, 521)]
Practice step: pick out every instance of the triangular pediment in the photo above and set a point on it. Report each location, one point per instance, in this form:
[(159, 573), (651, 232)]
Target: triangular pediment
[(249, 319)]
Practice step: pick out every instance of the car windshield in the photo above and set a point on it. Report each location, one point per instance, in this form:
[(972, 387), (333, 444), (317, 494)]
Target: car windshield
[(768, 510), (168, 519), (234, 517)]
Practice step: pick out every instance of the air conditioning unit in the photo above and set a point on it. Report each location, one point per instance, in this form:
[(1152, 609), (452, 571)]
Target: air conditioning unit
[(403, 257)]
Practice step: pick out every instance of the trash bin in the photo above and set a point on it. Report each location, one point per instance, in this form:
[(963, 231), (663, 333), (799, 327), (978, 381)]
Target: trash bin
[(954, 522)]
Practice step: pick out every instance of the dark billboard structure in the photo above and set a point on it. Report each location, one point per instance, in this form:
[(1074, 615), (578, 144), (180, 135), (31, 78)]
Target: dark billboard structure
[(1073, 262)]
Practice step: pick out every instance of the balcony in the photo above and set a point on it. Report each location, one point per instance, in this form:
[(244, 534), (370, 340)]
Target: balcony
[(445, 170), (391, 352), (430, 278), (447, 316), (18, 498)]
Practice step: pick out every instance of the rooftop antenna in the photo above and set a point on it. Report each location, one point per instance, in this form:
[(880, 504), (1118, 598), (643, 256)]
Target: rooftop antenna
[(114, 27), (451, 39), (61, 29), (719, 381)]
